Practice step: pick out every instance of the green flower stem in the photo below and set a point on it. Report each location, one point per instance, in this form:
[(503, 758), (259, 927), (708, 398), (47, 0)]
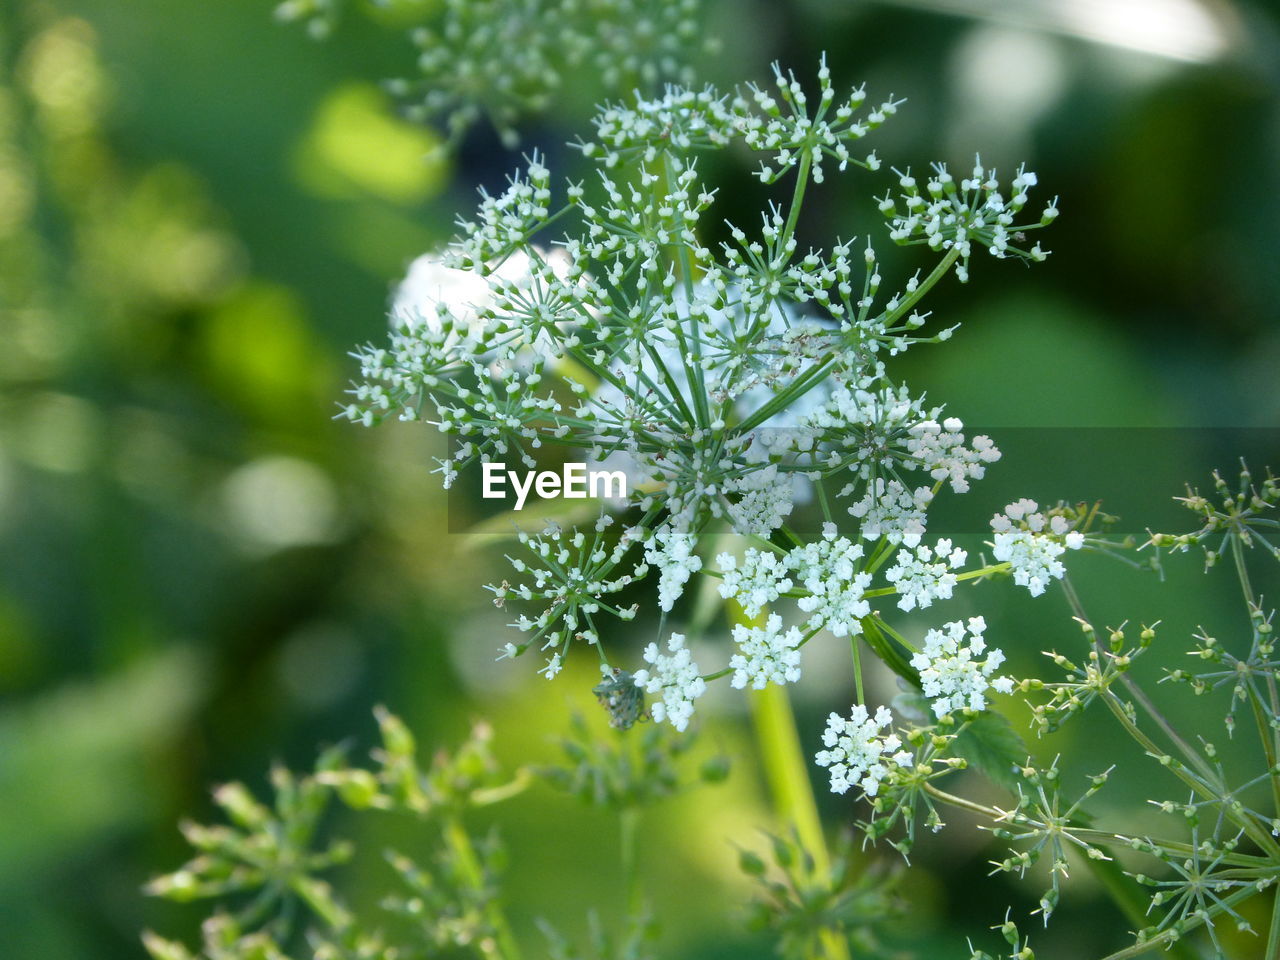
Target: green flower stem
[(692, 355), (792, 791), (1212, 791), (1089, 835), (1270, 737), (797, 198), (939, 271), (1171, 939), (628, 831), (1131, 686), (1111, 876), (789, 784), (857, 668), (524, 778), (987, 571), (1273, 935), (504, 946)]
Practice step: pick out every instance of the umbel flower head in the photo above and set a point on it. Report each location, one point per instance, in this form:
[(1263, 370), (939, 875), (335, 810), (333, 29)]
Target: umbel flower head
[(859, 754), (503, 60), (954, 673), (675, 678), (1032, 542), (766, 654), (733, 379)]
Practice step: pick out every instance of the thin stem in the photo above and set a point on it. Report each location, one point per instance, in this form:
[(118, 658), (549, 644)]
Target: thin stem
[(987, 571), (1098, 837), (1273, 935), (1269, 734), (792, 791), (788, 775), (797, 198), (857, 668), (628, 831), (990, 813), (692, 356), (1106, 871), (1259, 836), (505, 946), (1268, 744), (897, 636), (1131, 686), (523, 779), (1167, 937)]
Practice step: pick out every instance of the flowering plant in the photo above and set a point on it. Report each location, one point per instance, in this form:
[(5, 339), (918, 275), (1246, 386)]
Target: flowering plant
[(733, 376), (733, 380)]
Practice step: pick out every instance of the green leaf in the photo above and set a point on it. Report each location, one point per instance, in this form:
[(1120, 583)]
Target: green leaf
[(912, 705), (991, 745), (888, 651)]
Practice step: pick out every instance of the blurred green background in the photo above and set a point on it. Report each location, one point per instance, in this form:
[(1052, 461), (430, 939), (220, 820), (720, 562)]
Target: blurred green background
[(201, 210)]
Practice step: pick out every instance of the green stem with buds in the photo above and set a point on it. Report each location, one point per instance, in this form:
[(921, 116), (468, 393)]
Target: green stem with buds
[(787, 772), (1106, 872), (504, 946), (792, 791)]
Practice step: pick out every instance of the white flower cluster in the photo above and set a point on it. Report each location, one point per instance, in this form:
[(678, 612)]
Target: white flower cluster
[(675, 677), (942, 451), (788, 132), (870, 429), (953, 672), (765, 655), (569, 578), (892, 510), (926, 574), (731, 384), (505, 59), (756, 580), (858, 753), (503, 223), (766, 500), (672, 552), (953, 216), (400, 377), (827, 571), (1032, 543)]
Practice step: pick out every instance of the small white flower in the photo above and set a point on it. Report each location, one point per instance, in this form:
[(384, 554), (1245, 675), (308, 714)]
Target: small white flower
[(892, 511), (756, 581), (828, 569), (857, 753), (953, 672), (552, 668), (1031, 543), (941, 450), (673, 554), (766, 501), (766, 655), (926, 575), (676, 677)]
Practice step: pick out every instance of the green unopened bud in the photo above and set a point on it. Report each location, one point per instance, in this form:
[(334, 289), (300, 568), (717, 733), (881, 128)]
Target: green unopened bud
[(1009, 930), (715, 770), (241, 807), (359, 789), (395, 735), (750, 864)]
